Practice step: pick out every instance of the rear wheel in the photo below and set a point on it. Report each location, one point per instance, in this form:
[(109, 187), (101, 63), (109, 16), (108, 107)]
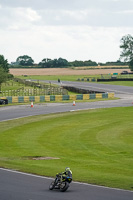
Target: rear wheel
[(64, 186)]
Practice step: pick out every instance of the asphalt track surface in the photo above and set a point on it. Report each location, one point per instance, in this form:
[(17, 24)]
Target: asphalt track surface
[(117, 89), (21, 186), (124, 93)]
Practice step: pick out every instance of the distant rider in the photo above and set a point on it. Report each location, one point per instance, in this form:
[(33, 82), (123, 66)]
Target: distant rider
[(66, 173)]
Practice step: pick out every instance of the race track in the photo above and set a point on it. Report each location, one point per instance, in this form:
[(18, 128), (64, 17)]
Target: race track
[(20, 186)]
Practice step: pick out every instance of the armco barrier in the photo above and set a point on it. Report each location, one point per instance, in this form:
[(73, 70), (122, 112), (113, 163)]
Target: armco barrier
[(48, 98)]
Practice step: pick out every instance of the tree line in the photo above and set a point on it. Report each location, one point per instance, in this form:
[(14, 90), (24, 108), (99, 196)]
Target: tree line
[(26, 61), (126, 54)]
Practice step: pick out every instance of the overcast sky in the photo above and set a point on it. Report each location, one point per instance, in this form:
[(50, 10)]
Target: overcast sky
[(71, 29)]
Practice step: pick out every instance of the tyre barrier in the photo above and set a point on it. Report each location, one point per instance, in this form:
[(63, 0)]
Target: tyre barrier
[(48, 98)]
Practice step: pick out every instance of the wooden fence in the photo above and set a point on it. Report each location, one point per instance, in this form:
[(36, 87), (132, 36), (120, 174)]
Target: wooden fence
[(35, 92)]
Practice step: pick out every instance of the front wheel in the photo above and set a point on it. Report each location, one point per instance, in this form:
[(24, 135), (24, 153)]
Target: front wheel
[(51, 187), (64, 186)]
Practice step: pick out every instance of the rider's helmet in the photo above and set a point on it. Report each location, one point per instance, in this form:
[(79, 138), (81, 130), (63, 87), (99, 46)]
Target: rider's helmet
[(67, 169)]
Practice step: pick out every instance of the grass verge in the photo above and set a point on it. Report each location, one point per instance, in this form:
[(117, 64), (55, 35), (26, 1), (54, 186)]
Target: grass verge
[(96, 144)]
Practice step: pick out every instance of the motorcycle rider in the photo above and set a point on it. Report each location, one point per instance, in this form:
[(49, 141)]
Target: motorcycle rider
[(64, 174)]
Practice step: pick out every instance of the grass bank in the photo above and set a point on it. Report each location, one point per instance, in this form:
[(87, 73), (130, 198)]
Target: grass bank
[(96, 144)]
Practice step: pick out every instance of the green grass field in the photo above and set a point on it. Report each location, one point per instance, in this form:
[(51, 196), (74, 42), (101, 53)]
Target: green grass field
[(56, 77), (96, 144)]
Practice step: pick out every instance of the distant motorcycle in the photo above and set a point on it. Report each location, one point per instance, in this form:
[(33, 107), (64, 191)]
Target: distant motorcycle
[(62, 185)]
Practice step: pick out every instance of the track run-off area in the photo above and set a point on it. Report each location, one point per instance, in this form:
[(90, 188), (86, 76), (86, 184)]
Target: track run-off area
[(16, 185)]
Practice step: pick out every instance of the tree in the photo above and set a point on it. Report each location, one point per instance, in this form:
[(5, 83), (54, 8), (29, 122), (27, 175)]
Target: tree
[(25, 60), (80, 63), (4, 64), (62, 62), (127, 50), (59, 63), (45, 62), (3, 76)]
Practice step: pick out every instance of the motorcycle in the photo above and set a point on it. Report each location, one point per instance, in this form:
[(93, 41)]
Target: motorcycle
[(61, 184)]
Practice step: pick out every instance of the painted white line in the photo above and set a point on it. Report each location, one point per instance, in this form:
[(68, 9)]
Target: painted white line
[(49, 178)]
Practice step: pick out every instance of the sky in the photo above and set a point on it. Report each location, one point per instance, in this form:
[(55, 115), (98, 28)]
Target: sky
[(70, 29)]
